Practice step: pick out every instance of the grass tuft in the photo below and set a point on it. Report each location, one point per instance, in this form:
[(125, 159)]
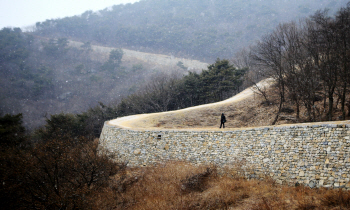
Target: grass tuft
[(337, 198)]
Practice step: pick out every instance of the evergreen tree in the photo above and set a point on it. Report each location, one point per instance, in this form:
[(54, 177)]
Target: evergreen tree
[(12, 132), (219, 79), (114, 61), (13, 45)]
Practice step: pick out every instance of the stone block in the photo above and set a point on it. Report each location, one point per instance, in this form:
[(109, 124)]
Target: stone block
[(278, 181), (347, 185), (137, 151), (266, 160)]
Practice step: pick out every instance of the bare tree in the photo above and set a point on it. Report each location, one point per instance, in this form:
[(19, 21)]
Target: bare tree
[(294, 64), (158, 95), (242, 59), (342, 26), (328, 63), (305, 57), (268, 54), (302, 79), (160, 92), (252, 78)]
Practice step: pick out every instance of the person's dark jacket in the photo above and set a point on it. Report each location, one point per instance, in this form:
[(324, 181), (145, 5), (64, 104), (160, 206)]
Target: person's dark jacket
[(223, 118)]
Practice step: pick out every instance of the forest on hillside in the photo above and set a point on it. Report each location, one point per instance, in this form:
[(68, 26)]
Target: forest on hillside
[(309, 61), (197, 29), (41, 77), (47, 77)]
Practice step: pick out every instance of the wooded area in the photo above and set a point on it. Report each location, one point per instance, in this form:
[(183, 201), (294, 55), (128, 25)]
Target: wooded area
[(165, 93), (40, 77), (309, 61), (199, 29)]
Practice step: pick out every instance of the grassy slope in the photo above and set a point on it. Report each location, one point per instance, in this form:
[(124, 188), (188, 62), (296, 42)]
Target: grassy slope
[(180, 185), (246, 109), (155, 60)]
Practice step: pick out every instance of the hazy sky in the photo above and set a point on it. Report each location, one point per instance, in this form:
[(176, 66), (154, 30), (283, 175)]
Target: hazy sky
[(22, 13)]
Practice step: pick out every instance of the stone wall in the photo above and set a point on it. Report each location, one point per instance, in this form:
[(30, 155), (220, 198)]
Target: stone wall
[(312, 154)]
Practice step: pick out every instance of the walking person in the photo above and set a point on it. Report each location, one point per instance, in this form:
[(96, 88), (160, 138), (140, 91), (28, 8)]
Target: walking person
[(223, 120)]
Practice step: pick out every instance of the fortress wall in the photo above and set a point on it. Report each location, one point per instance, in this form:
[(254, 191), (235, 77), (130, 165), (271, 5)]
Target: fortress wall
[(312, 154)]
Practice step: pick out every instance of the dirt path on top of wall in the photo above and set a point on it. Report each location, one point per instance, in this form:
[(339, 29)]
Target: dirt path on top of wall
[(102, 53), (153, 121)]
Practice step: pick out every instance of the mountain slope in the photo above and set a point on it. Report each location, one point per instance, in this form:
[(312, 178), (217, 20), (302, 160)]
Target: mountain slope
[(200, 29), (132, 56), (40, 81)]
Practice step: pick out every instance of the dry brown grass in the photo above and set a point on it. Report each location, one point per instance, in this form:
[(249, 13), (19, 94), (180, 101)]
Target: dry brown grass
[(166, 186), (249, 112), (252, 111)]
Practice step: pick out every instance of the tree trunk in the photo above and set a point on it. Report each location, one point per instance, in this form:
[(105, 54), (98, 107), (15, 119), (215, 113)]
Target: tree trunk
[(330, 105), (298, 111), (279, 110), (343, 98), (309, 112)]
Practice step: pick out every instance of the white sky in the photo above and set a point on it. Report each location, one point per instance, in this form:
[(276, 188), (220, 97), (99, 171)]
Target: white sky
[(22, 13)]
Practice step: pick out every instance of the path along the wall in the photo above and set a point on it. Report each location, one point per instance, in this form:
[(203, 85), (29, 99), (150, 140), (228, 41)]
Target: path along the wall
[(314, 154)]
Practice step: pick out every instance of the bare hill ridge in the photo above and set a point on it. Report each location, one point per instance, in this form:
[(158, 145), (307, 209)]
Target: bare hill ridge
[(205, 116), (101, 53)]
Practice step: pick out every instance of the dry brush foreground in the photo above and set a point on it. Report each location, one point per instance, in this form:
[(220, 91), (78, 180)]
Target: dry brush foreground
[(180, 185)]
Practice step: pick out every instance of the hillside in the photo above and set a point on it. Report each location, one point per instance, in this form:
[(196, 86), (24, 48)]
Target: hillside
[(43, 81), (206, 116), (196, 29), (160, 61), (246, 109)]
